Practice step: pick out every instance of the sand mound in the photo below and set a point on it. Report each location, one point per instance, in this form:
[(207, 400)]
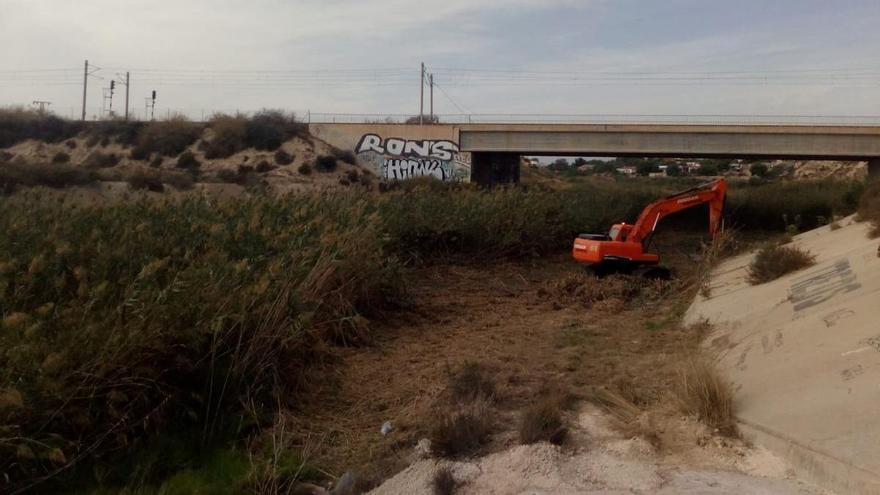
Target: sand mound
[(600, 461)]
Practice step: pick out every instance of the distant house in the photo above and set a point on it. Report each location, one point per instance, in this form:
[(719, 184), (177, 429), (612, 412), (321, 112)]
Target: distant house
[(628, 170), (693, 167)]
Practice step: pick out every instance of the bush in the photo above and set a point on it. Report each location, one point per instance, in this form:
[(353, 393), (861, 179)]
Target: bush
[(60, 157), (23, 174), (774, 261), (325, 163), (353, 176), (304, 169), (542, 422), (181, 181), (187, 160), (869, 207), (167, 138), (283, 158), (156, 162), (268, 129), (147, 180), (444, 482), (346, 156), (264, 166), (472, 382), (97, 159), (461, 432), (71, 144), (703, 393), (229, 136), (18, 124), (123, 132)]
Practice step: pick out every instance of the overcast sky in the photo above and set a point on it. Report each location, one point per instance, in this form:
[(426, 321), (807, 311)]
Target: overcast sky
[(797, 56)]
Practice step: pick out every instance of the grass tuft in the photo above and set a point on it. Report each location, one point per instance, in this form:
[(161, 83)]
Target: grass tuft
[(444, 482), (463, 430), (702, 392), (542, 421)]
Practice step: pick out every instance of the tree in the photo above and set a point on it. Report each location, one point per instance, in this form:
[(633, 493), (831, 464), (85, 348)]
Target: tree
[(647, 167), (560, 165), (759, 169), (673, 170), (708, 169), (579, 162)]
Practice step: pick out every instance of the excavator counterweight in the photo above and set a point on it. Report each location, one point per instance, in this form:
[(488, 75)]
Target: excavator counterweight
[(623, 248)]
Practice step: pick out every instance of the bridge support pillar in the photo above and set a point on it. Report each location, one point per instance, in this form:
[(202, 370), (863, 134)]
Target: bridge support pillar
[(490, 169), (874, 169)]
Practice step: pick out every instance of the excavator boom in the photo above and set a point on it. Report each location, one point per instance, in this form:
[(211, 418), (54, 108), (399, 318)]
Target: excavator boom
[(623, 248)]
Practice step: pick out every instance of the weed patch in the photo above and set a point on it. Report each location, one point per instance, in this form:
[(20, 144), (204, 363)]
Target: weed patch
[(774, 261), (325, 163), (167, 138), (869, 207)]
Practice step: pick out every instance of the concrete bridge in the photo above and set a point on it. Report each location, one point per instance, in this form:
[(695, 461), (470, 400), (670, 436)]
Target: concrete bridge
[(490, 153)]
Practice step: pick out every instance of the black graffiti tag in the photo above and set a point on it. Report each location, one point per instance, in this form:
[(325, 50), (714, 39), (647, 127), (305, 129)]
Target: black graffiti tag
[(397, 169), (823, 285)]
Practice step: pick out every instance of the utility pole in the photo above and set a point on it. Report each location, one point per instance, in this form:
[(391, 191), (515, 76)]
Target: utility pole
[(85, 86), (86, 75), (422, 97), (431, 83), (127, 81)]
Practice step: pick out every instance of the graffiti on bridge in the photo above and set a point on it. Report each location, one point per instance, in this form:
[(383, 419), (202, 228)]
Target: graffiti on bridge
[(402, 159)]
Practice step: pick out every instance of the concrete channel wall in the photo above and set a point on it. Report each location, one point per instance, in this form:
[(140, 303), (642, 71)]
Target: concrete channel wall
[(804, 354)]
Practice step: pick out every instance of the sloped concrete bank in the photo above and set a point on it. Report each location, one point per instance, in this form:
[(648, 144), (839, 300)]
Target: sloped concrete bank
[(804, 354)]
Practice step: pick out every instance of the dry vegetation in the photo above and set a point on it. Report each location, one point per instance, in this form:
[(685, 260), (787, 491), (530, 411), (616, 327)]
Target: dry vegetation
[(774, 261), (705, 394), (869, 207)]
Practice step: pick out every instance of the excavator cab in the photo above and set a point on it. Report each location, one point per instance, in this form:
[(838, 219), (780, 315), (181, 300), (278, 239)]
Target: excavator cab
[(623, 249)]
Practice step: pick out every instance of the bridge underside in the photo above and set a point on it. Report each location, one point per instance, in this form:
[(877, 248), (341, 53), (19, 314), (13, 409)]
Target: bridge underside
[(495, 151)]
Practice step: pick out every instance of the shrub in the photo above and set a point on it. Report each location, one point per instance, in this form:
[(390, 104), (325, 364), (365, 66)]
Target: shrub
[(869, 207), (147, 180), (774, 261), (156, 162), (346, 156), (6, 156), (167, 138), (18, 124), (187, 160), (71, 144), (229, 136), (542, 422), (461, 432), (353, 176), (19, 174), (227, 175), (97, 159), (283, 158), (61, 157), (703, 393), (325, 163), (181, 181), (472, 382), (123, 132), (304, 169), (444, 482), (264, 166), (268, 129)]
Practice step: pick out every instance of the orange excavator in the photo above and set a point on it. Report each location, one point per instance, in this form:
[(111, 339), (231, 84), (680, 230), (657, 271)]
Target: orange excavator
[(625, 248)]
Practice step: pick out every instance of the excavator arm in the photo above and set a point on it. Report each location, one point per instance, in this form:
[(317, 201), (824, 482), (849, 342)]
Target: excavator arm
[(712, 193)]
